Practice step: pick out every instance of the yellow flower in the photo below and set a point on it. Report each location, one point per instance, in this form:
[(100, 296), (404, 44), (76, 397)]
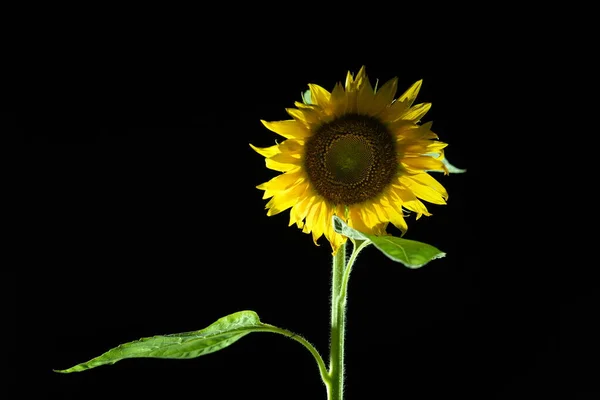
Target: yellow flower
[(357, 153)]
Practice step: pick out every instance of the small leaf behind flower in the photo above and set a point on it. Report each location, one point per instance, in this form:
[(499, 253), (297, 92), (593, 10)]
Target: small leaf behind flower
[(411, 253), (451, 168), (217, 336), (306, 98)]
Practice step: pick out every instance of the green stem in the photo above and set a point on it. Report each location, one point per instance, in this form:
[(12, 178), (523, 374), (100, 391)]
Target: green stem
[(335, 390), (339, 290), (357, 246), (302, 341)]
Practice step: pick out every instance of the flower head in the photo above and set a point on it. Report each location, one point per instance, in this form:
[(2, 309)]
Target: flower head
[(355, 152)]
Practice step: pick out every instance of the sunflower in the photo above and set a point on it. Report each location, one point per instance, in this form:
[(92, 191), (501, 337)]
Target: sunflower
[(357, 153)]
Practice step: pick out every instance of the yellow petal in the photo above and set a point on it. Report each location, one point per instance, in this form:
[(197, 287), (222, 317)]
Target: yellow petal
[(410, 95), (401, 196), (300, 209), (356, 221), (431, 182), (394, 213), (394, 111), (312, 219), (319, 95), (417, 112), (289, 129), (320, 222), (281, 182), (354, 83), (286, 158), (420, 147), (426, 193), (384, 96), (409, 132), (266, 151), (378, 209), (349, 80), (436, 147), (398, 127), (335, 239), (339, 100), (422, 163), (305, 116), (369, 217), (314, 208), (361, 77), (284, 200), (365, 98), (291, 147), (280, 166)]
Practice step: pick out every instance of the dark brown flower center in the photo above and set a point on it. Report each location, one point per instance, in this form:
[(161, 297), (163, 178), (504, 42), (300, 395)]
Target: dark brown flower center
[(351, 159)]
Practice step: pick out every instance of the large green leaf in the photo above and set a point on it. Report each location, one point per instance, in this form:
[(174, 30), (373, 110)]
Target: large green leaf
[(411, 253), (217, 336)]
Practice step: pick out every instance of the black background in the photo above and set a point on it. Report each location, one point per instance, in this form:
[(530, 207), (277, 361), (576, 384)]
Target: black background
[(145, 219)]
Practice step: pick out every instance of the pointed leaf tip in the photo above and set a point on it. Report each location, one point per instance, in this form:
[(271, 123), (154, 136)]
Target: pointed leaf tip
[(217, 336)]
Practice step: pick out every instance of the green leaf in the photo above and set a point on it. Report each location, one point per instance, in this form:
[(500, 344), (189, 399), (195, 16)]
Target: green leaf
[(343, 229), (451, 168), (217, 336), (306, 97), (411, 253)]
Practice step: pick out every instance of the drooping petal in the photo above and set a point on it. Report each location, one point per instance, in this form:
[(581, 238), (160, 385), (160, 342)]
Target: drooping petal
[(430, 182), (394, 214), (334, 238), (281, 182), (284, 200), (300, 210), (266, 151), (313, 223), (401, 196), (424, 192), (320, 222), (289, 129)]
